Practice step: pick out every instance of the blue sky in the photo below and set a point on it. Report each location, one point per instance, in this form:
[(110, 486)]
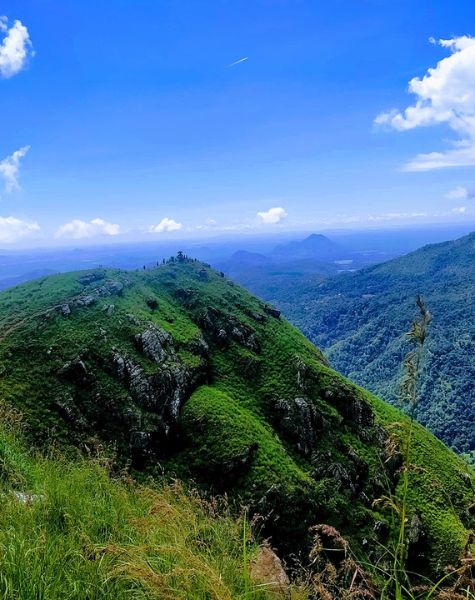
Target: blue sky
[(131, 123)]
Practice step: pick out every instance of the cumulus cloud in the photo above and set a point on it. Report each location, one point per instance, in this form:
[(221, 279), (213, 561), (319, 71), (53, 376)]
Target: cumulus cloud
[(13, 229), (444, 95), (165, 224), (460, 210), (10, 169), (460, 193), (273, 215), (15, 48), (77, 229)]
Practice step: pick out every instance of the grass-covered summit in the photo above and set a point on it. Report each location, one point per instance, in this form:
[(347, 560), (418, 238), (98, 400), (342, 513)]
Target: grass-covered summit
[(186, 374)]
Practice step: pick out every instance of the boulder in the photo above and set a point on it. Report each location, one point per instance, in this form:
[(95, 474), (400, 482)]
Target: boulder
[(266, 570), (273, 312)]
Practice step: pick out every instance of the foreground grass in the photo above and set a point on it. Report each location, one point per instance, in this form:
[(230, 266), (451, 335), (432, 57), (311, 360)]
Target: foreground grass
[(69, 530)]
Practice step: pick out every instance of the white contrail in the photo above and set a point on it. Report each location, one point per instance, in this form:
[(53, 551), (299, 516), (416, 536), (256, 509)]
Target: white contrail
[(236, 62)]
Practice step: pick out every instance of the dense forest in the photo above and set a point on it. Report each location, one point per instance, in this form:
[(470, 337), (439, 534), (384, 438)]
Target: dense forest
[(360, 320)]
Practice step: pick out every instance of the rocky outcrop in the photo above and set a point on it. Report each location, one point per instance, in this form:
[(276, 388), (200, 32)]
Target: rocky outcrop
[(272, 311), (347, 470), (86, 299), (155, 343), (92, 277), (300, 422), (75, 371), (162, 393), (199, 346), (70, 413), (223, 329), (159, 392), (354, 410)]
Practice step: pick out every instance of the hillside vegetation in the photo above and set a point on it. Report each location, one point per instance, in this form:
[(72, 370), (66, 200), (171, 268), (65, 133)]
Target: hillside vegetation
[(75, 530), (359, 321), (182, 373)]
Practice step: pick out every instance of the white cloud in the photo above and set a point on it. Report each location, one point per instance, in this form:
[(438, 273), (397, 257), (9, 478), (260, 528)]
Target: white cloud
[(445, 95), (15, 48), (208, 224), (10, 168), (165, 224), (458, 193), (78, 229), (459, 210), (13, 229), (273, 215), (238, 62)]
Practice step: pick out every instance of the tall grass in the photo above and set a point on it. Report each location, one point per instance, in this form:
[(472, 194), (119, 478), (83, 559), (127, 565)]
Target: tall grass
[(398, 581), (69, 530)]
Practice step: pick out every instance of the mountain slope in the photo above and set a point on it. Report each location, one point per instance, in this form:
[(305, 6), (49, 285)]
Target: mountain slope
[(73, 529), (186, 373), (359, 320)]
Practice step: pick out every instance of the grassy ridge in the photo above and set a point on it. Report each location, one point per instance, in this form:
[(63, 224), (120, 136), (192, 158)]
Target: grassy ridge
[(68, 530)]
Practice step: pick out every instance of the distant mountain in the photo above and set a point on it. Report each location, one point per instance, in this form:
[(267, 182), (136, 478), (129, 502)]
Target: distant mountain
[(314, 246), (243, 258), (8, 282), (360, 321), (266, 276), (183, 372)]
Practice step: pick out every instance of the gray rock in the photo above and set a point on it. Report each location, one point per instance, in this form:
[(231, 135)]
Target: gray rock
[(273, 312), (257, 317), (88, 300), (342, 478), (244, 336), (92, 277), (25, 498), (155, 343), (65, 310), (353, 409), (162, 392), (222, 337), (76, 372), (199, 347), (300, 422), (69, 411)]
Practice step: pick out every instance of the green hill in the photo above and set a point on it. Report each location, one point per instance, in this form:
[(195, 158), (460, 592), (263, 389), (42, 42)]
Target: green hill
[(359, 321), (186, 374)]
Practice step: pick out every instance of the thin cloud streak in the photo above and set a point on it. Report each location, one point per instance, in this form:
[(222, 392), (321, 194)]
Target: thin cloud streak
[(237, 62)]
